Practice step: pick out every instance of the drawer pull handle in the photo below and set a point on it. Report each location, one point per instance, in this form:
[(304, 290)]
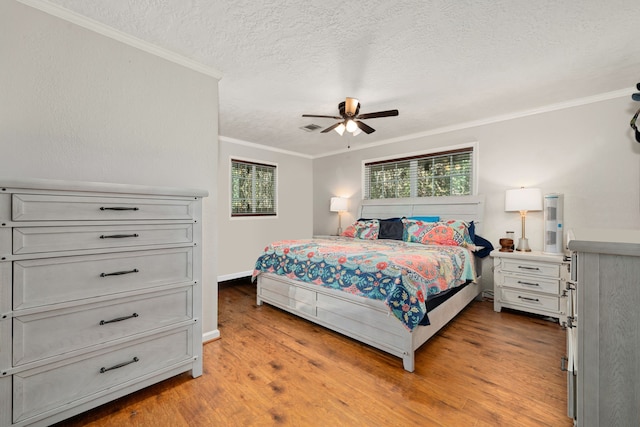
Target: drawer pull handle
[(529, 299), (118, 208), (119, 273), (119, 365), (118, 319), (118, 236), (520, 282), (563, 364), (524, 267)]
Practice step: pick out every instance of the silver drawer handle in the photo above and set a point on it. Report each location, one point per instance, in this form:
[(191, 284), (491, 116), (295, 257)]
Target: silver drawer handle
[(524, 267), (527, 283), (118, 208), (563, 363), (119, 365), (118, 319), (119, 273), (529, 299), (118, 236)]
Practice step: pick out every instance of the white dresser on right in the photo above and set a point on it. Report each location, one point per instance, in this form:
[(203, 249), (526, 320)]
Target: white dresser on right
[(603, 342)]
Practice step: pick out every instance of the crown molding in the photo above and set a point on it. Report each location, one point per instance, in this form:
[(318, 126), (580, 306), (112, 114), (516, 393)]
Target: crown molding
[(263, 147), (496, 119), (105, 30)]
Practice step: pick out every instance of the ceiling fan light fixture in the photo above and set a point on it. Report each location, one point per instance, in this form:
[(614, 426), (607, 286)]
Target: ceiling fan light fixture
[(350, 119), (351, 106)]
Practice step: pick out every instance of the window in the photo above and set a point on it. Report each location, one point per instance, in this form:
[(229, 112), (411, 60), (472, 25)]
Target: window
[(445, 173), (253, 189)]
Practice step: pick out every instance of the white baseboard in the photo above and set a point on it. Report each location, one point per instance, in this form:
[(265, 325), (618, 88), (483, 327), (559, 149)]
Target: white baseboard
[(235, 275), (210, 336)]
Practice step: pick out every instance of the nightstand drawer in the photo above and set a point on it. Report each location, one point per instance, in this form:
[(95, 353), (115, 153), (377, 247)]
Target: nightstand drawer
[(536, 284), (531, 267), (525, 299)]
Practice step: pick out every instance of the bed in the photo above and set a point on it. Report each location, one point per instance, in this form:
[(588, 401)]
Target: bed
[(397, 326)]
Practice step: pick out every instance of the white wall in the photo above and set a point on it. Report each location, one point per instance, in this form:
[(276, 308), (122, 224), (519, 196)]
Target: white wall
[(242, 240), (586, 152), (77, 105)]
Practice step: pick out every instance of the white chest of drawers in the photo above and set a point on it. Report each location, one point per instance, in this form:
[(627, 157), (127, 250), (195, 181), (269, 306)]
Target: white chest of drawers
[(533, 282), (100, 294)]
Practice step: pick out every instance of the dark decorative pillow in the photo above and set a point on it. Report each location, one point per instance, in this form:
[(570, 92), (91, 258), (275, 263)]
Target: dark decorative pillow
[(391, 229), (485, 244), (472, 230)]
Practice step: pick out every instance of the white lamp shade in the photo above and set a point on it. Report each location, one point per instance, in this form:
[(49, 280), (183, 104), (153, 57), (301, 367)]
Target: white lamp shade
[(523, 199), (338, 204)]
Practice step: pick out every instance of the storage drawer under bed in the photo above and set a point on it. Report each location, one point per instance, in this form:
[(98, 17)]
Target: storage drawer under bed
[(277, 292)]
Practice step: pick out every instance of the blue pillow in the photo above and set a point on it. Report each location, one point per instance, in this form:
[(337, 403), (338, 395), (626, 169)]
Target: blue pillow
[(425, 218), (472, 230)]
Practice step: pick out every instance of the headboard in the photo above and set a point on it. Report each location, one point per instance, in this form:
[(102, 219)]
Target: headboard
[(466, 208)]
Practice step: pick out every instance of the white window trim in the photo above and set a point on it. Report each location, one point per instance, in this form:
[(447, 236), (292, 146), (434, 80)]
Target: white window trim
[(476, 170), (230, 197)]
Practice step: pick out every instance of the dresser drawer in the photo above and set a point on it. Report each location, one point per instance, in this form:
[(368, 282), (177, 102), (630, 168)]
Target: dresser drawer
[(45, 389), (533, 283), (40, 207), (29, 240), (56, 280), (531, 267), (51, 333), (524, 299)]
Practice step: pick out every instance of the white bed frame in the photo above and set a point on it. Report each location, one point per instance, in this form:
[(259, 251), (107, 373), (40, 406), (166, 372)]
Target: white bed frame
[(369, 321)]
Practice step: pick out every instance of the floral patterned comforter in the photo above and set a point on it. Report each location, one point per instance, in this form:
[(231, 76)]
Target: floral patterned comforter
[(400, 273)]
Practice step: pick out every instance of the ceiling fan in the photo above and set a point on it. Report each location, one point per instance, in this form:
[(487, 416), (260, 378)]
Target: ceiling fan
[(350, 118)]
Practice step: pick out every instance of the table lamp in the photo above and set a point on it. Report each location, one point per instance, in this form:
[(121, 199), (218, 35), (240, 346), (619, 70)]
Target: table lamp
[(339, 204), (523, 200)]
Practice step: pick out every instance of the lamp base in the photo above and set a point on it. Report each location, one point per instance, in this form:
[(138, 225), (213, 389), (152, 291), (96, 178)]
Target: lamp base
[(523, 245)]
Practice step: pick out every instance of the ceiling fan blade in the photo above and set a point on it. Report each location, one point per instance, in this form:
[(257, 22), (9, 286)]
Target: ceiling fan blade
[(324, 117), (330, 128), (352, 106), (387, 113), (364, 127)]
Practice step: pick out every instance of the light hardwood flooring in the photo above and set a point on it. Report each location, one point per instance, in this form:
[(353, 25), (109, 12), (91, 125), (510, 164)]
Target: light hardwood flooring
[(272, 368)]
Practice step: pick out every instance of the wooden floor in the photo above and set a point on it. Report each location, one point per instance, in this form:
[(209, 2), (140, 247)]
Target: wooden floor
[(271, 368)]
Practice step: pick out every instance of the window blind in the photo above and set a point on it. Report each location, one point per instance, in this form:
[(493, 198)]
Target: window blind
[(253, 188), (445, 173)]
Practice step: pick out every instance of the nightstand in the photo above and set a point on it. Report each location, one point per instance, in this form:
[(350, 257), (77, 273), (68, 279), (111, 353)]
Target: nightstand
[(530, 281)]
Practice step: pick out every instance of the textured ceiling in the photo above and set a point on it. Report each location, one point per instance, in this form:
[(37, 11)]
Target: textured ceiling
[(440, 63)]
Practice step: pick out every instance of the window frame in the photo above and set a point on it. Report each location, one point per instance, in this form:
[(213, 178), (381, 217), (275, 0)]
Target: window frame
[(252, 215), (473, 147)]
